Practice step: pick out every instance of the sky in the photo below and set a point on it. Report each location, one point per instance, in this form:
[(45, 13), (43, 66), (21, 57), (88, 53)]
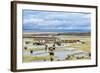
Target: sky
[(56, 21)]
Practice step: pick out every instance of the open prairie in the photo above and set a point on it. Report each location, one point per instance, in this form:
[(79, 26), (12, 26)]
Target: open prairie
[(56, 47)]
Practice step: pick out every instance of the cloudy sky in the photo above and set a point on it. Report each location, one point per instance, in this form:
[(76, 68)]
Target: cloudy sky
[(50, 21)]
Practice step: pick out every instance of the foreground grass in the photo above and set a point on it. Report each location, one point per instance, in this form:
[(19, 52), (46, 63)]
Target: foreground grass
[(33, 49), (84, 47), (28, 58)]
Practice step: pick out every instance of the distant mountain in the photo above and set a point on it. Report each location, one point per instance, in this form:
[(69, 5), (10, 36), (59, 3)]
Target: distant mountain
[(57, 30), (76, 33), (30, 34)]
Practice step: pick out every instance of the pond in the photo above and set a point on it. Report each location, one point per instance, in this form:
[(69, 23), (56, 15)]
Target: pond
[(59, 54)]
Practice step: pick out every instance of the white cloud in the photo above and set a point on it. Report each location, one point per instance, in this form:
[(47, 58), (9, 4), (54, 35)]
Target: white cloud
[(56, 20)]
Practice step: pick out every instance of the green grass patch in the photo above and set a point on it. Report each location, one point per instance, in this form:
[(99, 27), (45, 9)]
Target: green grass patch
[(28, 58), (33, 49)]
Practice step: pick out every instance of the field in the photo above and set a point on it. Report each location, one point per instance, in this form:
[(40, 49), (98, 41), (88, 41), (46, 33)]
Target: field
[(64, 47)]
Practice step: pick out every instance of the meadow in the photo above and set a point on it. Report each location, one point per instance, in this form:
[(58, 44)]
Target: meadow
[(68, 50)]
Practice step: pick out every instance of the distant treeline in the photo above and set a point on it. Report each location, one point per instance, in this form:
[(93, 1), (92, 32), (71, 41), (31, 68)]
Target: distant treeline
[(76, 33), (58, 34)]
